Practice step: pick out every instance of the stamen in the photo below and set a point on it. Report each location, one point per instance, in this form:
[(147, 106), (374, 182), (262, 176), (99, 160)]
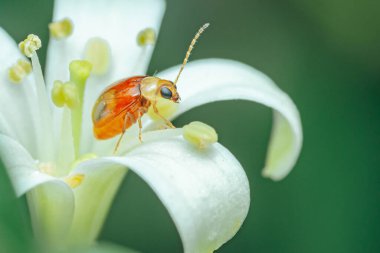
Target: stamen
[(75, 180), (19, 71), (98, 53), (79, 72), (166, 107), (61, 29), (57, 94), (31, 44), (200, 134), (65, 94), (146, 37)]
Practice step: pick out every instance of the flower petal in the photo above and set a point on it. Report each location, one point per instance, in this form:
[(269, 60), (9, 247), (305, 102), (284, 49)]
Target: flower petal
[(210, 80), (205, 191), (95, 192), (51, 218), (117, 22), (21, 167), (18, 102)]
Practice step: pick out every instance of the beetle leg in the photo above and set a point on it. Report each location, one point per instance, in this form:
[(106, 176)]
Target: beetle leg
[(128, 116), (167, 122)]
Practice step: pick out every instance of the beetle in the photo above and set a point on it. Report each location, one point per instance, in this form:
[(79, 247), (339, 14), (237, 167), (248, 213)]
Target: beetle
[(124, 102)]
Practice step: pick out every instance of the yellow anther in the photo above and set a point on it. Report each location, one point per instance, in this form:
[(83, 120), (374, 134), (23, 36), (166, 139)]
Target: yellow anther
[(200, 134), (18, 71), (75, 180), (31, 44), (83, 158), (146, 37), (61, 29), (166, 107), (65, 94), (25, 65), (57, 94), (98, 53)]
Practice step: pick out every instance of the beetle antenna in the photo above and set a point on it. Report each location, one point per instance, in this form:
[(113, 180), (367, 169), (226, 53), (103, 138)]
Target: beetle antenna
[(200, 31)]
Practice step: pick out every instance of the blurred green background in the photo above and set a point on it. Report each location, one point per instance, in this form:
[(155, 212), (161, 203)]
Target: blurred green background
[(326, 55)]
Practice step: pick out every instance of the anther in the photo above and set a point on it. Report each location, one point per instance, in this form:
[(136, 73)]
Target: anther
[(31, 44), (98, 53), (61, 29), (18, 71), (70, 92), (75, 180), (57, 94), (65, 94), (146, 37), (200, 134)]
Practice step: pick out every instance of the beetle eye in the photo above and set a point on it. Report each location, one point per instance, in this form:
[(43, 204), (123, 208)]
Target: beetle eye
[(166, 93)]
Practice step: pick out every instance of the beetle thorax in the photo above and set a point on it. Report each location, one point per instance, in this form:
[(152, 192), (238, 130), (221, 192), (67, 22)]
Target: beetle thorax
[(149, 87)]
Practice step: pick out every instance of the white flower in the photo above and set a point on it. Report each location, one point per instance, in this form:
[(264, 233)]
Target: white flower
[(205, 191)]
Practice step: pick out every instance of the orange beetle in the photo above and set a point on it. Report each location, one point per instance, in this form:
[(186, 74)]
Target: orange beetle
[(124, 102)]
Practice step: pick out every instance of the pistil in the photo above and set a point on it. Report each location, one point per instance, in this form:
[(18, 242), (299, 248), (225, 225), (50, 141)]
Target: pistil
[(79, 72)]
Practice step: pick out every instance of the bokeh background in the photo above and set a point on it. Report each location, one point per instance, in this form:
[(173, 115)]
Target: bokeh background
[(326, 55)]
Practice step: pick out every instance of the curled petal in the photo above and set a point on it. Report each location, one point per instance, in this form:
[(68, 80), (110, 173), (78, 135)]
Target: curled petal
[(21, 167), (210, 80), (51, 218), (96, 191), (205, 191)]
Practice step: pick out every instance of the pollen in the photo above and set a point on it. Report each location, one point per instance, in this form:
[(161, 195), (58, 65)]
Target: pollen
[(166, 107), (61, 29), (98, 53), (75, 180), (19, 71), (200, 134), (146, 37), (31, 44)]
